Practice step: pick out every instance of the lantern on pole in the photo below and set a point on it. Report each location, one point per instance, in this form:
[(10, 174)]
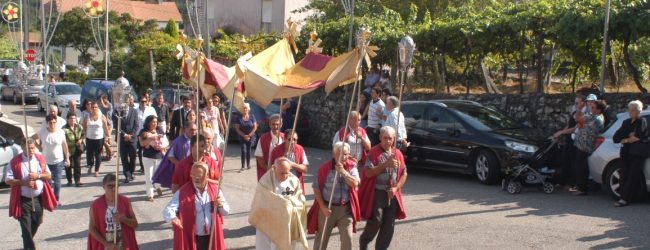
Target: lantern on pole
[(406, 50), (119, 92)]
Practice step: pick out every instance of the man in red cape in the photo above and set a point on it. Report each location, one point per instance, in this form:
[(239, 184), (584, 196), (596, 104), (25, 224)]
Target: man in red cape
[(296, 155), (182, 172), (30, 191), (380, 193), (345, 211), (357, 138), (196, 229), (268, 142), (102, 213)]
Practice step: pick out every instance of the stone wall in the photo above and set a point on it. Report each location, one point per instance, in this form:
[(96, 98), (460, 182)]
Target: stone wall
[(544, 111)]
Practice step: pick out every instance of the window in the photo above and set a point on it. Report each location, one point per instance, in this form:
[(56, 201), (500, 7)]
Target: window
[(413, 115), (438, 119), (267, 15)]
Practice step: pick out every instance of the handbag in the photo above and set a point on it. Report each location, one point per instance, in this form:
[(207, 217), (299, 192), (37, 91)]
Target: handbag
[(640, 149), (82, 146)]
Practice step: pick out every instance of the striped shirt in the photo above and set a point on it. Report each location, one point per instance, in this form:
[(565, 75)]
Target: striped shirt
[(374, 113)]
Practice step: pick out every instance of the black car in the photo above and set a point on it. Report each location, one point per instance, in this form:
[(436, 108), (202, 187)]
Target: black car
[(466, 137)]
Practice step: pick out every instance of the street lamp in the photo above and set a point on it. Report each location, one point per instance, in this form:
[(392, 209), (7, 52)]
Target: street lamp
[(406, 49), (121, 88)]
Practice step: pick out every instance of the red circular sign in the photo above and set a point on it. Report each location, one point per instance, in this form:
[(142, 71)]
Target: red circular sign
[(29, 55)]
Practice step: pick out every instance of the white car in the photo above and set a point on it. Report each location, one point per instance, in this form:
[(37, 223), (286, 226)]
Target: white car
[(60, 93), (8, 149), (604, 163)]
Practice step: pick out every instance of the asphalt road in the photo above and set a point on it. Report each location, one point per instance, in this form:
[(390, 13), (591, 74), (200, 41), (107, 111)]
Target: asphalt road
[(444, 211)]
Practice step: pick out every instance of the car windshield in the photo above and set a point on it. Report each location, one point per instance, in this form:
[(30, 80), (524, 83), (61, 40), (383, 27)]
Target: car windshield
[(483, 118), (68, 89), (35, 82)]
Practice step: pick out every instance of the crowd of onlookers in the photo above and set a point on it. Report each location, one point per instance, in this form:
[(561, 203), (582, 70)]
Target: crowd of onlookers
[(588, 118)]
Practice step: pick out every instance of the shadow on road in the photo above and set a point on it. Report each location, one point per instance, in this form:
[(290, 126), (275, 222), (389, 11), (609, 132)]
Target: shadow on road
[(632, 230)]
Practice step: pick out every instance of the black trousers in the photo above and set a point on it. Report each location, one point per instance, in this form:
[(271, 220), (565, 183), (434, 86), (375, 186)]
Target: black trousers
[(30, 220), (202, 242), (74, 171), (373, 135), (127, 155), (382, 222), (93, 152), (581, 170), (567, 161), (632, 178)]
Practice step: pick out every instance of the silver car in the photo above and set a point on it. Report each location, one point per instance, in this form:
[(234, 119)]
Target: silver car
[(59, 94), (604, 163)]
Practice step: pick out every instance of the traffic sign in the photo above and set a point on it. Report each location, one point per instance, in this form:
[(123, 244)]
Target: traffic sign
[(29, 55)]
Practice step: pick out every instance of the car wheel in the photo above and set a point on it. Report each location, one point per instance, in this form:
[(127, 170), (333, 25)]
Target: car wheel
[(613, 180), (486, 167)]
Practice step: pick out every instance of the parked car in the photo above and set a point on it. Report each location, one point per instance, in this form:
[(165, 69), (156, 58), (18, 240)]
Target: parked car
[(59, 94), (7, 90), (14, 90), (466, 137), (8, 149), (94, 89), (262, 117), (605, 161), (172, 94)]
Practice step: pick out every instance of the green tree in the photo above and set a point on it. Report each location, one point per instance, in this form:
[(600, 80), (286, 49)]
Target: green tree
[(8, 49), (76, 32), (163, 47), (171, 28)]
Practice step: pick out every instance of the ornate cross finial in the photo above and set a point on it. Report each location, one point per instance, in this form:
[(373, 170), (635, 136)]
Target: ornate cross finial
[(291, 32)]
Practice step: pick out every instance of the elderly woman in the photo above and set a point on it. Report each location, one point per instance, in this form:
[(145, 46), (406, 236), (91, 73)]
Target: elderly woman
[(245, 128), (632, 133)]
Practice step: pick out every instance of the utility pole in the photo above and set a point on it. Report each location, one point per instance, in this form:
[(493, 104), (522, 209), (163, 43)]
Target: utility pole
[(107, 49), (603, 55), (44, 41), (25, 12), (206, 29)]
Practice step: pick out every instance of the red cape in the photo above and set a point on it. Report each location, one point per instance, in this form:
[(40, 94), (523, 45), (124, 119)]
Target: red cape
[(184, 238), (363, 152), (367, 187), (98, 210), (298, 152), (312, 215), (265, 141), (48, 200), (184, 168)]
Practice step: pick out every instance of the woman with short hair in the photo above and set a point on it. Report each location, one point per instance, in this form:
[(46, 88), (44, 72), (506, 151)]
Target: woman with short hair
[(73, 135), (633, 133), (245, 128)]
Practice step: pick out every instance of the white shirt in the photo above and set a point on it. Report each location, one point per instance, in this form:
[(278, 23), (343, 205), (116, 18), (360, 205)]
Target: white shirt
[(212, 116), (202, 206), (356, 144), (27, 166), (142, 115), (391, 120), (275, 141), (375, 112), (52, 143)]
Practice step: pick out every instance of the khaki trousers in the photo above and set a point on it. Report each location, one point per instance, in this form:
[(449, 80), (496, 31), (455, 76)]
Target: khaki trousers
[(341, 217)]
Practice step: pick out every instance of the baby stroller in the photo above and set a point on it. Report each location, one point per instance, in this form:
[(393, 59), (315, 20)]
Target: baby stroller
[(532, 172)]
